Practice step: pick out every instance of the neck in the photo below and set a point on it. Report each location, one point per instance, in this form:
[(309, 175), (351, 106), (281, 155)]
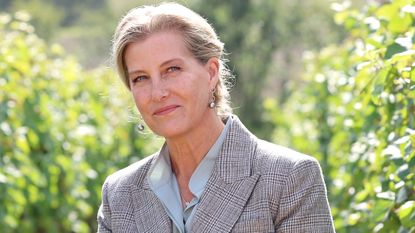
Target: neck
[(187, 151)]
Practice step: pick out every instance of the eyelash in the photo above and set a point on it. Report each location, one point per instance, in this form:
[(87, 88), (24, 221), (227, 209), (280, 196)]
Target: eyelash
[(139, 78)]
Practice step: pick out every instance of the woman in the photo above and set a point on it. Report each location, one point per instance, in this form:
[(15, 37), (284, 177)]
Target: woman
[(212, 174)]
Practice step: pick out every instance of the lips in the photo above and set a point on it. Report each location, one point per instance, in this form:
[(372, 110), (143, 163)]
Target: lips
[(165, 110)]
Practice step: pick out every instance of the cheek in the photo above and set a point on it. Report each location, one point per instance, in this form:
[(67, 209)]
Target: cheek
[(194, 91), (198, 85), (139, 99)]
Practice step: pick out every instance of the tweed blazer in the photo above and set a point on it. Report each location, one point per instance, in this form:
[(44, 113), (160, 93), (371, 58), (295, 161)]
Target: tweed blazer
[(255, 186)]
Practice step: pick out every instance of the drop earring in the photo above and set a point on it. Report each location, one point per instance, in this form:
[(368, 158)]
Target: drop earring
[(140, 127), (212, 103)]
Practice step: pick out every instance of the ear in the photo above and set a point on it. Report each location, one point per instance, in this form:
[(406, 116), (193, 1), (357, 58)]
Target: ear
[(212, 66)]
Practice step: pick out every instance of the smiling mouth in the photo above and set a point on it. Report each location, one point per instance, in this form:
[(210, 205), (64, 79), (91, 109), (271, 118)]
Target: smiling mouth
[(165, 110)]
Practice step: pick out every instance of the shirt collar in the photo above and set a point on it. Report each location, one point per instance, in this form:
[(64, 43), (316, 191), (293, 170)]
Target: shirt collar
[(161, 173)]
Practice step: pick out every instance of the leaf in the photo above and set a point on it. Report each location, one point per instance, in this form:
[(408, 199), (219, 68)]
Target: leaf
[(402, 195), (354, 218), (388, 195), (408, 54), (394, 49), (22, 144), (386, 12), (404, 213), (403, 171), (400, 24), (381, 208)]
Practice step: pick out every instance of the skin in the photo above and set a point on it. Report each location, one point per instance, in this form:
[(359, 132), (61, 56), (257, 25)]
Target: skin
[(172, 89)]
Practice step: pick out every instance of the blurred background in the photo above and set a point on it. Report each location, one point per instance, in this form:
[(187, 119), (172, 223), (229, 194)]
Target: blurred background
[(333, 79)]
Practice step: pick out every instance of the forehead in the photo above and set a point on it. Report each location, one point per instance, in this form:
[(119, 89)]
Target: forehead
[(161, 43)]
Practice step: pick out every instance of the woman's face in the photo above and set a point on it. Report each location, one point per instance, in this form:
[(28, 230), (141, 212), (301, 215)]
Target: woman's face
[(170, 87)]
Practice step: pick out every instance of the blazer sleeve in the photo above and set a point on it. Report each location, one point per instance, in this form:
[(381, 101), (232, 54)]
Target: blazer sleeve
[(304, 206), (104, 212)]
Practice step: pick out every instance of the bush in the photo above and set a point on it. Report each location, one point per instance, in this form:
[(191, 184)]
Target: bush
[(356, 113), (62, 131)]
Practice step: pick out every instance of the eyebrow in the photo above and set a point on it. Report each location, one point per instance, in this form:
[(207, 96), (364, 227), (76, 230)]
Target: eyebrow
[(162, 64)]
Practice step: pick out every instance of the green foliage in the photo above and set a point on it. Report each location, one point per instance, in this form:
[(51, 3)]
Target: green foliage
[(355, 111), (74, 24), (62, 131), (265, 40)]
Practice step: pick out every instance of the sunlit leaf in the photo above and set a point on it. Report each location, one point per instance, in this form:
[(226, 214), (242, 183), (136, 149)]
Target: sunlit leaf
[(387, 12), (400, 24), (404, 213)]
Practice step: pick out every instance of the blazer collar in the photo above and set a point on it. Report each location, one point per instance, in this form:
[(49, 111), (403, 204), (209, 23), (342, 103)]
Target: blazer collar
[(231, 183), (238, 150)]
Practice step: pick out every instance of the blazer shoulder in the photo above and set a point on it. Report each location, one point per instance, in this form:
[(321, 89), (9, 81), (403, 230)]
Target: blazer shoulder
[(133, 174), (273, 158)]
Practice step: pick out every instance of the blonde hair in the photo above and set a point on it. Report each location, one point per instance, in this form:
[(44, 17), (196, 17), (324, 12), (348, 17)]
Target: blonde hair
[(199, 36)]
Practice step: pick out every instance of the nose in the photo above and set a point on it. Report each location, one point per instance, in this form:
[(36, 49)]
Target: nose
[(159, 90)]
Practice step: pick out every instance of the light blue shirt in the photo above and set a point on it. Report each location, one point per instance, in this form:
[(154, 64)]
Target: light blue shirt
[(164, 184)]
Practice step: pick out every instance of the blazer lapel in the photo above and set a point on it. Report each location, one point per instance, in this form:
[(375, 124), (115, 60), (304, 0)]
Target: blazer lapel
[(230, 185), (149, 213)]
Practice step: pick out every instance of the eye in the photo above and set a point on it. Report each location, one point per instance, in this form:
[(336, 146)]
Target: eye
[(139, 79), (173, 69)]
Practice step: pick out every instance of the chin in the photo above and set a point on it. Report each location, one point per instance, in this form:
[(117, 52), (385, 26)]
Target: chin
[(168, 131), (171, 128)]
